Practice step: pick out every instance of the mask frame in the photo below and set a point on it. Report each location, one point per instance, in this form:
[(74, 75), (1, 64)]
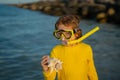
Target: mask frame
[(66, 33)]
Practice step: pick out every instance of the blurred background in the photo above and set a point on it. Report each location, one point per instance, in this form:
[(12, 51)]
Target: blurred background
[(26, 28)]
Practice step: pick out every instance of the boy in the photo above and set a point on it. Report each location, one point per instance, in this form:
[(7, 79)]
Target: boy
[(77, 58)]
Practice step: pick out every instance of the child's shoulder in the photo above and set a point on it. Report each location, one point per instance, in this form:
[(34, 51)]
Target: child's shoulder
[(58, 46), (85, 44)]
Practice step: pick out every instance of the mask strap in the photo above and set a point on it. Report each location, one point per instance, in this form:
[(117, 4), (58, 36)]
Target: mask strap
[(76, 30)]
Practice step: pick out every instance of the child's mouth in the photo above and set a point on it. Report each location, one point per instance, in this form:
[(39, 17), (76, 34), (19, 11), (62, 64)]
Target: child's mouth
[(64, 42)]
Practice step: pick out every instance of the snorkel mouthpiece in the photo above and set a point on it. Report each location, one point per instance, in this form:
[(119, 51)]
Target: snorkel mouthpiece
[(84, 36), (64, 42)]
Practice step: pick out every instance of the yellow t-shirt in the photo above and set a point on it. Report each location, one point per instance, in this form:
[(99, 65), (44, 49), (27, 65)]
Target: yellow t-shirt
[(77, 63)]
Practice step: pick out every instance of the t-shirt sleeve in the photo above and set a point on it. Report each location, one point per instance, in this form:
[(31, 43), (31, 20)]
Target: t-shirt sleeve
[(48, 75)]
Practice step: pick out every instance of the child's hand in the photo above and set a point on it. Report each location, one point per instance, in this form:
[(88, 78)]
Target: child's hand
[(44, 63)]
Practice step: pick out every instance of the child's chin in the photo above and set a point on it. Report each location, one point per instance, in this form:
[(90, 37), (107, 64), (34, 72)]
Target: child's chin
[(64, 42)]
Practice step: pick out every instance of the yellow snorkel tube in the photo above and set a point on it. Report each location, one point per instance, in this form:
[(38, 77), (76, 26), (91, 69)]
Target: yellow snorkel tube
[(84, 36)]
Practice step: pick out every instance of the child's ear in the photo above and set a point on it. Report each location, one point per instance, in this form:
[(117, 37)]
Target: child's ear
[(76, 35)]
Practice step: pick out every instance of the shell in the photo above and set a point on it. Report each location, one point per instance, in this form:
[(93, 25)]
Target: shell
[(55, 64)]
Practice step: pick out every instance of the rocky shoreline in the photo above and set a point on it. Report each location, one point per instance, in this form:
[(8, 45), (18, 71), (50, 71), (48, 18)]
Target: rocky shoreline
[(101, 12)]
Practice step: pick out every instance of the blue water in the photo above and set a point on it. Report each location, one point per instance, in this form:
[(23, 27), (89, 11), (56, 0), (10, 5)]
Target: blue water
[(25, 36)]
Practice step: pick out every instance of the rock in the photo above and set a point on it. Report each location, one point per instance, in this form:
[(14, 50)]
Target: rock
[(85, 11), (101, 12), (103, 20), (101, 15), (33, 7), (25, 6), (111, 11)]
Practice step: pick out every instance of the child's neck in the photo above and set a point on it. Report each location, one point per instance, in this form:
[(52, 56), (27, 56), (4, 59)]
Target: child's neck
[(70, 45)]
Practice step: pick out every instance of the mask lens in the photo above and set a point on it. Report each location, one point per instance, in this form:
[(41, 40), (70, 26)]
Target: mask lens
[(58, 34), (66, 34)]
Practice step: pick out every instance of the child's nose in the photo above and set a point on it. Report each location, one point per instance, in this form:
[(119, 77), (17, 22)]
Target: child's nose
[(62, 37)]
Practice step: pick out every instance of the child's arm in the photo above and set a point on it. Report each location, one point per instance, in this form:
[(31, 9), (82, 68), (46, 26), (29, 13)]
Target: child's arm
[(48, 75), (92, 74)]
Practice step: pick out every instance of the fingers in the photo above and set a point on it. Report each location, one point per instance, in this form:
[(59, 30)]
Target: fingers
[(46, 56), (44, 61)]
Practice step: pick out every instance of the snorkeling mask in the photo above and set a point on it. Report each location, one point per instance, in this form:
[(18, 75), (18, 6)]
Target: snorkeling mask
[(66, 33)]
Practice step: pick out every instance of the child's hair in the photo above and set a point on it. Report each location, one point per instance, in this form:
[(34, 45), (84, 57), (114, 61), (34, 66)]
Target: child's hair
[(70, 20)]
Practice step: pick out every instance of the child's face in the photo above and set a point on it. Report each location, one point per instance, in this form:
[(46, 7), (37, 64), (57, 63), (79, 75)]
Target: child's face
[(66, 28)]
